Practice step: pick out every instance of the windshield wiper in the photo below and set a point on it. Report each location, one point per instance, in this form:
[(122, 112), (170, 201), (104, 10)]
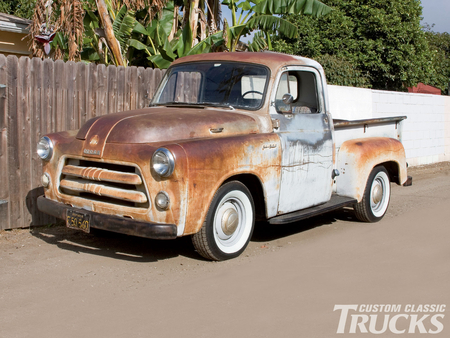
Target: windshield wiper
[(190, 104), (212, 104)]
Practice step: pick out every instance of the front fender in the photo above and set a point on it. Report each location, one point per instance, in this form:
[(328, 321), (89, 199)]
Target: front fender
[(357, 158), (213, 161)]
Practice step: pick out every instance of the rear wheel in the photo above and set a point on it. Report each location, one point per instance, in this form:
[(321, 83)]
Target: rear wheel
[(229, 223), (376, 197)]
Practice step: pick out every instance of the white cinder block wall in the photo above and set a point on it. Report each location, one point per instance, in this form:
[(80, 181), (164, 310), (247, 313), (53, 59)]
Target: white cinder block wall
[(426, 131)]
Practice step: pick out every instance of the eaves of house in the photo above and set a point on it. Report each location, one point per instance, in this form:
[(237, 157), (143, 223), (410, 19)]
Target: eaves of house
[(13, 32)]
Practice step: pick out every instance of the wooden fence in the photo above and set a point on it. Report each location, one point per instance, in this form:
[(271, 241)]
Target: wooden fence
[(42, 96)]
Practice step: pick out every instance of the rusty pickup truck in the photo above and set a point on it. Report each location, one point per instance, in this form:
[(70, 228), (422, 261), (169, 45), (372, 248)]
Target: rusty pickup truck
[(229, 138)]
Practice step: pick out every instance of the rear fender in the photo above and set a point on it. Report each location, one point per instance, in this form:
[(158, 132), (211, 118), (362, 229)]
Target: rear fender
[(357, 158)]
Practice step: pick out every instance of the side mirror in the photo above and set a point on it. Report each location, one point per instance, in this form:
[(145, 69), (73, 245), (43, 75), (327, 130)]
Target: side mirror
[(287, 98)]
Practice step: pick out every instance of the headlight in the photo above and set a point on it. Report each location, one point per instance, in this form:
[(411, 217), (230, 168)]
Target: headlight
[(45, 148), (163, 162)]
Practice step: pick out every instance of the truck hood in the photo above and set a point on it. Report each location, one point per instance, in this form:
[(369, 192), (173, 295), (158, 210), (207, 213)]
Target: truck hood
[(163, 124)]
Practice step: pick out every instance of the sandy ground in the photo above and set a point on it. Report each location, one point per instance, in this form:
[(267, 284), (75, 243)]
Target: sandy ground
[(56, 282)]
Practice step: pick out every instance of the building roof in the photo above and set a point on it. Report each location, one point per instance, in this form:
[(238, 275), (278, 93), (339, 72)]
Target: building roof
[(424, 89), (11, 23)]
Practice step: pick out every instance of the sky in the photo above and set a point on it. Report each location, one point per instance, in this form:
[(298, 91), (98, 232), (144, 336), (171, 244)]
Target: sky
[(437, 12)]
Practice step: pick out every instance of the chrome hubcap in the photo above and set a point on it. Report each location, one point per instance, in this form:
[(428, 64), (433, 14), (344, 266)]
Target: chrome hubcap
[(377, 193), (230, 221)]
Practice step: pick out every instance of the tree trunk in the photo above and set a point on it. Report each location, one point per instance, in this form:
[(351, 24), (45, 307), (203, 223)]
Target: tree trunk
[(213, 15), (109, 32), (193, 20), (175, 24)]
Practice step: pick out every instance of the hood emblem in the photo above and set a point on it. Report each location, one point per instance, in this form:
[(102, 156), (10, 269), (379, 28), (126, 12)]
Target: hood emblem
[(94, 140), (91, 152)]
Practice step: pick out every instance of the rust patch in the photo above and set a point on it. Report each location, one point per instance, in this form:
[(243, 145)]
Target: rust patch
[(258, 155), (170, 124)]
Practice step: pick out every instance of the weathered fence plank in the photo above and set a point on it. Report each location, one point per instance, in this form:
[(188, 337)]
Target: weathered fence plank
[(44, 96), (4, 177), (112, 105), (132, 88), (60, 95), (4, 181), (141, 100), (36, 113), (91, 87), (14, 172), (81, 94), (102, 91), (120, 88), (48, 122), (24, 120)]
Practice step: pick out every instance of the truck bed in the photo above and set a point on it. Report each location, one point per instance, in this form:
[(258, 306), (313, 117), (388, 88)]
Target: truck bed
[(377, 127)]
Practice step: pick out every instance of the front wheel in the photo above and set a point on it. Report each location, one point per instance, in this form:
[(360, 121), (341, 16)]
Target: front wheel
[(376, 197), (229, 223)]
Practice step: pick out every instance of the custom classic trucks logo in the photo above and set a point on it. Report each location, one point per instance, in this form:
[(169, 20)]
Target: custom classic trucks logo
[(391, 318)]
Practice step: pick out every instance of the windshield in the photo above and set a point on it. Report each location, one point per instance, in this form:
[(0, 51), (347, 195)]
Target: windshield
[(231, 84)]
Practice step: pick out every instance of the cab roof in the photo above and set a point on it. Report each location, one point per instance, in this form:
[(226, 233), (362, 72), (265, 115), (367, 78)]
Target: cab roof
[(272, 60)]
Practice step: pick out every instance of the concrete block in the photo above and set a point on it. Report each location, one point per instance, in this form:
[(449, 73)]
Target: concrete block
[(406, 99), (411, 153), (408, 144), (417, 99)]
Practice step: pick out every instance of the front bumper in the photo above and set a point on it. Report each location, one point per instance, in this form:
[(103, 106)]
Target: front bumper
[(113, 223)]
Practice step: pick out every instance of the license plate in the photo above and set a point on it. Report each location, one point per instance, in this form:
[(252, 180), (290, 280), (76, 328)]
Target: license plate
[(78, 220)]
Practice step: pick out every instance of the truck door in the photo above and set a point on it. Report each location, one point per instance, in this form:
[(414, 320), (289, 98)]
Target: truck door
[(306, 139)]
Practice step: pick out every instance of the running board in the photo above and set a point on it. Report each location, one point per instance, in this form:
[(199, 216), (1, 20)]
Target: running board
[(336, 202)]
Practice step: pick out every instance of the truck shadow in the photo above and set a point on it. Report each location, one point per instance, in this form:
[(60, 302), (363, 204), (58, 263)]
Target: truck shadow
[(143, 250), (113, 245), (265, 231)]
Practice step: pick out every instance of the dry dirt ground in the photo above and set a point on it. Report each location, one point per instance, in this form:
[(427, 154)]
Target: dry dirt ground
[(56, 282)]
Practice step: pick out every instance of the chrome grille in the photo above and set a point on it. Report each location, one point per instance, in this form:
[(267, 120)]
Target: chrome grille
[(105, 182)]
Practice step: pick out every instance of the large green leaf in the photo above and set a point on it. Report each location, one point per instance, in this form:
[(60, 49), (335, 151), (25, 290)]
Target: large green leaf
[(168, 49), (258, 43), (207, 45), (139, 28), (123, 25), (159, 61), (311, 7), (138, 45), (237, 31), (269, 23), (185, 41), (245, 6), (165, 20)]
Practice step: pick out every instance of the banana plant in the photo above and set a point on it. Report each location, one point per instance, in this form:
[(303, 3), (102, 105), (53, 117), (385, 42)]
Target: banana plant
[(161, 48), (263, 15)]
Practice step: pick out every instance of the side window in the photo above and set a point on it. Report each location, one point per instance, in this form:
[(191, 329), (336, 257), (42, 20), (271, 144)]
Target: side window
[(302, 86)]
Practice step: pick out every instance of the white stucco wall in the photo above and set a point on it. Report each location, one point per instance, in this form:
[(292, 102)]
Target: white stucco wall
[(426, 131)]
